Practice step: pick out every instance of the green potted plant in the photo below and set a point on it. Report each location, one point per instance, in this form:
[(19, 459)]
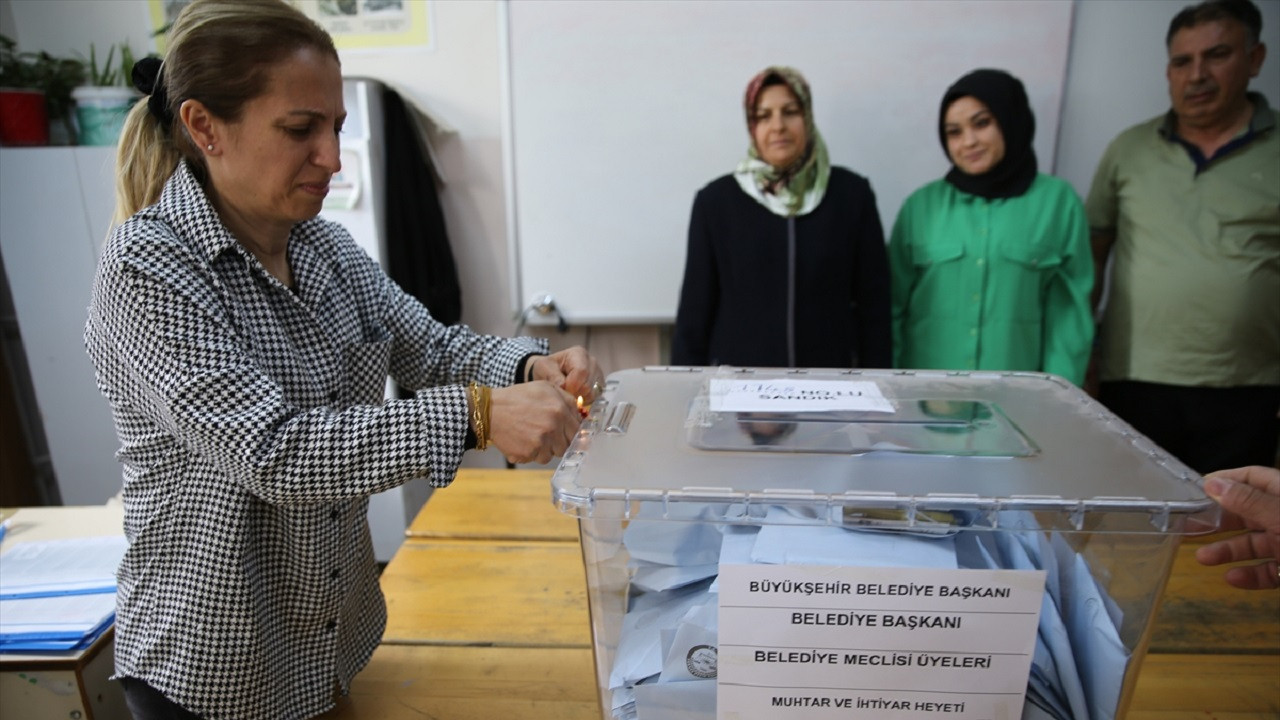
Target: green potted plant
[(35, 89), (104, 101)]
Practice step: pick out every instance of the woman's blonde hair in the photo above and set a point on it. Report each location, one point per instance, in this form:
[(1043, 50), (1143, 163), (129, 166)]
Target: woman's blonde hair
[(220, 52)]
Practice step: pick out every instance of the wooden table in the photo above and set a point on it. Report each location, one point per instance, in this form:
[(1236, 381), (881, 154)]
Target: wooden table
[(1202, 614), (487, 617), (486, 611), (445, 682), (494, 505), (487, 593)]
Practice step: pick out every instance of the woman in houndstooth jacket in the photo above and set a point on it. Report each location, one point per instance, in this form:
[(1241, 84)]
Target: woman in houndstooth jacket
[(244, 345)]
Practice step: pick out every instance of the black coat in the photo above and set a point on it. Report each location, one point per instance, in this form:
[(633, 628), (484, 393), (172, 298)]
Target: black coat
[(736, 292), (419, 257)]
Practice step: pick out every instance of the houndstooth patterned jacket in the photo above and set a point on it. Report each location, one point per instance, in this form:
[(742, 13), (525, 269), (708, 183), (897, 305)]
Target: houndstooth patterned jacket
[(252, 431)]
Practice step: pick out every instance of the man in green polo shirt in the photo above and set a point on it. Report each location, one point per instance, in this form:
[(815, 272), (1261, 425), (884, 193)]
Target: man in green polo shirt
[(1187, 205)]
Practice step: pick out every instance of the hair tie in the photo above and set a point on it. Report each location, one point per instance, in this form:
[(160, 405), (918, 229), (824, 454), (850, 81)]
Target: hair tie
[(147, 79)]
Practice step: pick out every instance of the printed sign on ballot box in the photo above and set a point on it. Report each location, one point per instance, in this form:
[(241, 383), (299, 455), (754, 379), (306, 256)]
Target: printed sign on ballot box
[(812, 642)]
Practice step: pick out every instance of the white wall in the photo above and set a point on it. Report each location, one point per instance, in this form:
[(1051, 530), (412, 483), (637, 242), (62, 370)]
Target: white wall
[(6, 20), (66, 27)]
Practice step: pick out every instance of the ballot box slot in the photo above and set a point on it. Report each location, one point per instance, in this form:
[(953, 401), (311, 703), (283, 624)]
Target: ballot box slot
[(928, 426), (618, 418)]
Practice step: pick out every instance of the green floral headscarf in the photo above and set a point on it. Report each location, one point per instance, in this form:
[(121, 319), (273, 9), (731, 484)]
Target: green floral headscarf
[(793, 190)]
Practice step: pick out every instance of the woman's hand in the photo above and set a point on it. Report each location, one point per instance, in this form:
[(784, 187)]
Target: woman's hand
[(1251, 498), (573, 369), (533, 421)]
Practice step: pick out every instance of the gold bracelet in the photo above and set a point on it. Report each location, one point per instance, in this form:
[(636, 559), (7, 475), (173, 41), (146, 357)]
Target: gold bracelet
[(486, 398), (480, 414)]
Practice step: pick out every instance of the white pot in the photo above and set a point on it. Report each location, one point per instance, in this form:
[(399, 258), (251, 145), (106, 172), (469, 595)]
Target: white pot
[(100, 112)]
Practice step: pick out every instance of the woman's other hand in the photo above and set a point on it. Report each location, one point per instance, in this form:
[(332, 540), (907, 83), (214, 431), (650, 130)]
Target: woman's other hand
[(533, 421), (574, 370), (1251, 498)]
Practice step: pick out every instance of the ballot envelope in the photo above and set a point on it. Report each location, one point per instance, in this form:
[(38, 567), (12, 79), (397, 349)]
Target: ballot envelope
[(678, 471)]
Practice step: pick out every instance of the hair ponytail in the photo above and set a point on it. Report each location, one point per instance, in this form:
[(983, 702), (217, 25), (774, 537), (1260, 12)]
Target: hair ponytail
[(145, 158)]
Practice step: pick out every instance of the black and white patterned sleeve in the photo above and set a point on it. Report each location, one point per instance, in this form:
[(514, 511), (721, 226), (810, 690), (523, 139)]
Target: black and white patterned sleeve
[(167, 347), (428, 354)]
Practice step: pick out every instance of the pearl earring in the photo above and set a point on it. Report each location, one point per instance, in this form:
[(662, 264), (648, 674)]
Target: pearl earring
[(209, 148)]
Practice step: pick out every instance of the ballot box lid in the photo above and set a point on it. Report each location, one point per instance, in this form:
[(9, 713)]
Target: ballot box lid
[(915, 450)]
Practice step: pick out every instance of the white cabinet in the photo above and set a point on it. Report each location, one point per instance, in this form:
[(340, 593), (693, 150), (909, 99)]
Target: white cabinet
[(55, 209)]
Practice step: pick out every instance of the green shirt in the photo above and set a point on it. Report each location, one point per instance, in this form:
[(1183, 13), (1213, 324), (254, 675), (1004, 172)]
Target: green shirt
[(992, 284), (1195, 278)]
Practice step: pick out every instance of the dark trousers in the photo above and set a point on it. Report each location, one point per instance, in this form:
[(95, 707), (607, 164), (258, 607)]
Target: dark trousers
[(1206, 428), (147, 703)]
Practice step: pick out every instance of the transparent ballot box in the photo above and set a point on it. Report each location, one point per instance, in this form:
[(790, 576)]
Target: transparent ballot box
[(710, 499)]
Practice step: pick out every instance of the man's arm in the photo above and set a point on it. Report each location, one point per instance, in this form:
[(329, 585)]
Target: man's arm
[(1100, 241)]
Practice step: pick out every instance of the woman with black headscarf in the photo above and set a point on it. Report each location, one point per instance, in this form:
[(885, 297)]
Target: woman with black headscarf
[(786, 263), (991, 264)]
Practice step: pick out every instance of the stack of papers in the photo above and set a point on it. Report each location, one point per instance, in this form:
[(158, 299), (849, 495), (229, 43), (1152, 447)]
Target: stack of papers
[(65, 622), (58, 594)]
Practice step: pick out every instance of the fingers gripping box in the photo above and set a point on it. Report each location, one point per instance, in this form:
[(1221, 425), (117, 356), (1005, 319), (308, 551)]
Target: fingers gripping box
[(869, 544)]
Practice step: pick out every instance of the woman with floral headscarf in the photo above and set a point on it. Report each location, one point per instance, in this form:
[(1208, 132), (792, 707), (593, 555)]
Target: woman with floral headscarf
[(991, 264), (786, 262)]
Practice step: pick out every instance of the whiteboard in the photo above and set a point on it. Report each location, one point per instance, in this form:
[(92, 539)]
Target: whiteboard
[(619, 112)]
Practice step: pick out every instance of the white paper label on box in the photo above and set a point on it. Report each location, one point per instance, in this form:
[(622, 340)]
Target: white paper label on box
[(795, 395), (809, 642)]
